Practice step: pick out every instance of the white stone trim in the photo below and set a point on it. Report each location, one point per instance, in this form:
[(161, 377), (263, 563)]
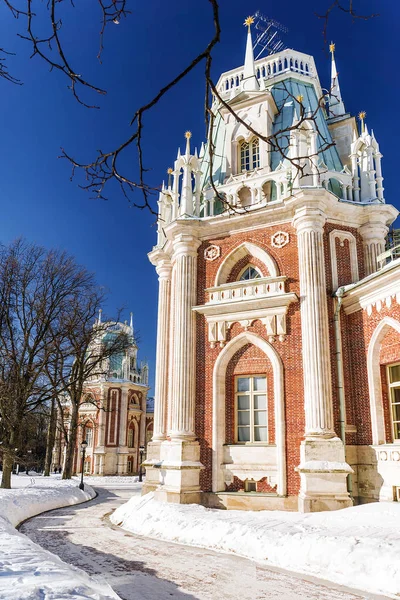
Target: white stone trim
[(374, 379), (342, 236), (377, 289), (218, 433), (239, 252)]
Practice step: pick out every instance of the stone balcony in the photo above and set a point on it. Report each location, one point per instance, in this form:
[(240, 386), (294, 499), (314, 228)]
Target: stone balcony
[(264, 299), (246, 290)]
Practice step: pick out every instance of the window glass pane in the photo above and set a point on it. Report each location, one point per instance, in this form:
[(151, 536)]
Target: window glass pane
[(255, 153), (396, 431), (396, 394), (250, 273), (243, 434), (243, 402), (243, 384), (394, 373), (260, 417), (260, 384), (396, 412), (260, 401), (261, 434), (244, 417)]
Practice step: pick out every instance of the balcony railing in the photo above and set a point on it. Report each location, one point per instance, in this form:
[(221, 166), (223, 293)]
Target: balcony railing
[(246, 290), (269, 67), (387, 256)]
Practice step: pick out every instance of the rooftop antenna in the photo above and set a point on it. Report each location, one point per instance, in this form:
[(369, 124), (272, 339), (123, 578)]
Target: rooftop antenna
[(268, 39)]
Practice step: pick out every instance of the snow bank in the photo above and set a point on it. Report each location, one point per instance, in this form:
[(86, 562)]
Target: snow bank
[(358, 547), (27, 571)]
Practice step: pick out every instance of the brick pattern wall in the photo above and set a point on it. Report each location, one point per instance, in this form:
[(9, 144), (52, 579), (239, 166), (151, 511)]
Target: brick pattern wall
[(289, 350), (245, 262), (249, 360), (357, 332)]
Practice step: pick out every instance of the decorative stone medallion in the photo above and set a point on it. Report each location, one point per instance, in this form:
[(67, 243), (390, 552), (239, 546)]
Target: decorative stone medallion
[(212, 253), (280, 239)]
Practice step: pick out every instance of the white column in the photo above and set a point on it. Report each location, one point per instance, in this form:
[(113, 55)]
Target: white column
[(102, 420), (123, 417), (379, 178), (184, 352), (314, 158), (314, 324), (374, 244), (164, 270), (356, 179)]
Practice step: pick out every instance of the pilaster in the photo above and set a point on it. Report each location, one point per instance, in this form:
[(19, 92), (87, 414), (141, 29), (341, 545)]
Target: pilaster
[(179, 455), (373, 235), (323, 470)]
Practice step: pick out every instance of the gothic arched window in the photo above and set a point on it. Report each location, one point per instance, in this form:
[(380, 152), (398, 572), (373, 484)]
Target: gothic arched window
[(89, 436), (250, 272), (131, 435), (249, 154)]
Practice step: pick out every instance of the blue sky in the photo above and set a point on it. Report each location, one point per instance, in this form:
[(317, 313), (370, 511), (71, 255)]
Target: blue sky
[(141, 54)]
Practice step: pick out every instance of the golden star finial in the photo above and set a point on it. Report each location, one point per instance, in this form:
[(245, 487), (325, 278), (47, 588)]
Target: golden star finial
[(249, 21), (361, 116), (170, 171), (331, 47), (300, 98), (188, 135)]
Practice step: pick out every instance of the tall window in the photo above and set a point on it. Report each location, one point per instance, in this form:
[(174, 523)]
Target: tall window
[(131, 434), (250, 155), (394, 385), (250, 273), (251, 408), (89, 436)]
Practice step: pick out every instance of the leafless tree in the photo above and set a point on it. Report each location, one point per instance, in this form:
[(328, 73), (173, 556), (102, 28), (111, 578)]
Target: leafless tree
[(36, 290), (107, 166), (91, 344)]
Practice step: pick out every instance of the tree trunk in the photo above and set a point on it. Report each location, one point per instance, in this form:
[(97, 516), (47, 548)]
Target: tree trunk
[(7, 470), (51, 437), (70, 449)]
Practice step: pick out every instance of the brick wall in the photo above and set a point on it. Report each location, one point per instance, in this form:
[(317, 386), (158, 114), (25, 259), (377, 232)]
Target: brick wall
[(251, 359)]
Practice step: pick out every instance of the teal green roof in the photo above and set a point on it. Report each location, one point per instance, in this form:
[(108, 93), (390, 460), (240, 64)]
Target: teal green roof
[(286, 106)]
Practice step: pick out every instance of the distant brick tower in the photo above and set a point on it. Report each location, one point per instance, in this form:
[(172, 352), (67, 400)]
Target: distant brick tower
[(249, 401)]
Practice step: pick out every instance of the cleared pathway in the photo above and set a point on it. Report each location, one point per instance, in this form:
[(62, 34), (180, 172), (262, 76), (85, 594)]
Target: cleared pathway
[(140, 568)]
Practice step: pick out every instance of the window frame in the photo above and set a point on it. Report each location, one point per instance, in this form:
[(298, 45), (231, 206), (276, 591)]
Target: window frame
[(392, 386), (252, 410), (248, 266), (250, 155)]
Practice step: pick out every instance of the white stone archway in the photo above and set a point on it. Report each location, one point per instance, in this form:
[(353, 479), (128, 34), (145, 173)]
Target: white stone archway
[(240, 252), (219, 407), (374, 379)]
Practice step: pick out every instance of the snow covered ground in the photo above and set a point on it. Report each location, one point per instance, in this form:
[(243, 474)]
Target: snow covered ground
[(358, 547), (27, 572)]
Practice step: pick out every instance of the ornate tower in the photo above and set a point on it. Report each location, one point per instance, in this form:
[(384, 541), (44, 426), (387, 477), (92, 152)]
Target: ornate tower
[(251, 246)]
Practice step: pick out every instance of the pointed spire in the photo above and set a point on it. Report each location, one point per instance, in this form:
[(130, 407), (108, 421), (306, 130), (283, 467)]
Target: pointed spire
[(202, 150), (131, 323), (336, 106), (250, 82), (188, 135), (170, 171), (99, 319), (361, 116), (179, 154)]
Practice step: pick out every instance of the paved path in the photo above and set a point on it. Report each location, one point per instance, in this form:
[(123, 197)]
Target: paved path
[(140, 568)]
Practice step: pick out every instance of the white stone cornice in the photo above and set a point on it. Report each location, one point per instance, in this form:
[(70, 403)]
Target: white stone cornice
[(185, 244), (230, 309), (376, 290), (270, 310), (158, 256)]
